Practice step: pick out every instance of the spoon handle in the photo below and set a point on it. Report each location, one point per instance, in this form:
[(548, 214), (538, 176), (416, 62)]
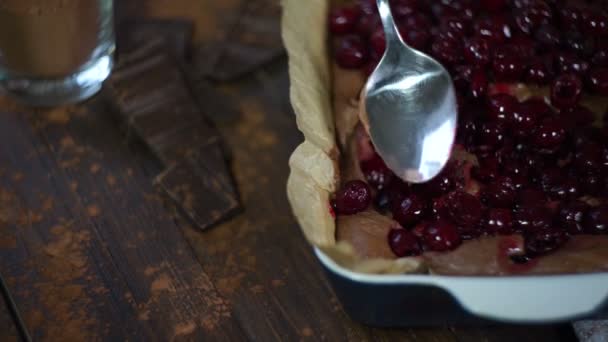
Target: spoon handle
[(391, 33)]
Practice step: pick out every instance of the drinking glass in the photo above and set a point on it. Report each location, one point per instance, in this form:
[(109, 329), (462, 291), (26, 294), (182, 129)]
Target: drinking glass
[(55, 52)]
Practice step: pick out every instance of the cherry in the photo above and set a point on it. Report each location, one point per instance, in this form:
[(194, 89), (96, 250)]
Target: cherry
[(479, 83), (353, 197), (418, 39), (408, 209), (441, 236), (500, 193), (528, 116), (501, 108), (529, 17), (343, 20), (446, 50), (368, 6), (548, 36), (544, 241), (443, 183), (376, 172), (404, 8), (579, 43), (592, 184), (530, 198), (569, 17), (464, 209), (531, 218), (367, 24), (507, 68), (494, 31), (600, 57), (491, 134), (598, 81), (577, 116), (456, 24), (596, 221), (417, 21), (493, 5), (571, 216), (550, 134), (596, 24), (538, 71), (487, 170), (404, 243), (351, 52), (498, 221), (588, 158), (378, 41), (477, 51)]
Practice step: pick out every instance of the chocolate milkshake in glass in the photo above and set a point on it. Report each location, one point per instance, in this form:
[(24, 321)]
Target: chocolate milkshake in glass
[(55, 51)]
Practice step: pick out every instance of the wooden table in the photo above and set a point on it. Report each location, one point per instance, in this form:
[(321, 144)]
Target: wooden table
[(90, 251)]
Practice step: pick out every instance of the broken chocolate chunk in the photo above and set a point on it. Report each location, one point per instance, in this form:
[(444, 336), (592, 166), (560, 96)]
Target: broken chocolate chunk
[(176, 34), (201, 188), (254, 41)]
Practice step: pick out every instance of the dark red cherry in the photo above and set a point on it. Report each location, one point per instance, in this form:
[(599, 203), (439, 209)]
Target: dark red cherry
[(528, 115), (443, 183), (566, 91), (377, 174), (464, 209), (569, 17), (479, 83), (493, 5), (577, 116), (368, 6), (500, 193), (477, 51), (448, 51), (544, 241), (417, 39), (487, 170), (531, 219), (596, 23), (508, 68), (378, 41), (592, 184), (578, 43), (529, 17), (550, 134), (571, 216), (353, 197), (351, 52), (501, 108), (596, 221), (588, 158), (598, 81), (530, 198), (548, 36), (600, 57), (417, 21), (367, 24), (538, 71), (343, 20), (495, 32), (491, 134), (498, 221), (408, 209), (404, 8), (568, 62), (403, 243), (441, 236)]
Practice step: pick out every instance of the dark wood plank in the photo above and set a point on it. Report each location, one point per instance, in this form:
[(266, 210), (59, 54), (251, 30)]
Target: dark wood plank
[(95, 256), (8, 329)]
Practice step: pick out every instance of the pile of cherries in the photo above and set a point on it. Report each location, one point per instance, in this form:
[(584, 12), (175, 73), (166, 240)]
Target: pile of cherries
[(537, 159)]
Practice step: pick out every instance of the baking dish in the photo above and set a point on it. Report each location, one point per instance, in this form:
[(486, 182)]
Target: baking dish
[(399, 299)]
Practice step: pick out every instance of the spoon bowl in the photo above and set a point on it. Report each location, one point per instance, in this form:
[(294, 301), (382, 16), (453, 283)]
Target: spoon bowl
[(410, 108)]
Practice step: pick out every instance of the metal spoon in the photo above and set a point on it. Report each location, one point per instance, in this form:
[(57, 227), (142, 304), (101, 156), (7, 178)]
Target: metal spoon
[(410, 105)]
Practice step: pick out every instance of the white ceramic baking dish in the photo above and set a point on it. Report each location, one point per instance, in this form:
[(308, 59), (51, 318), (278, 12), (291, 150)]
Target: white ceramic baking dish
[(407, 300)]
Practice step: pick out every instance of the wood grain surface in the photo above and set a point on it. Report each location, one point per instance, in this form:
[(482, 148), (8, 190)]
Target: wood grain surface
[(92, 252)]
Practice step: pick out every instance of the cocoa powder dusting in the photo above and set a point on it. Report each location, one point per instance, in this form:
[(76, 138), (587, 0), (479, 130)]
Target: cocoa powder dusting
[(93, 210), (63, 298)]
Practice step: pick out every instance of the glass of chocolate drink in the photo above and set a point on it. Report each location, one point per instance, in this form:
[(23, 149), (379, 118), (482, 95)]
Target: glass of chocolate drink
[(55, 52)]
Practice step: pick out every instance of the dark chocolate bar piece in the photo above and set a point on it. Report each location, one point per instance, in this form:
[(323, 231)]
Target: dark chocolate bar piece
[(254, 41), (201, 188), (176, 34)]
